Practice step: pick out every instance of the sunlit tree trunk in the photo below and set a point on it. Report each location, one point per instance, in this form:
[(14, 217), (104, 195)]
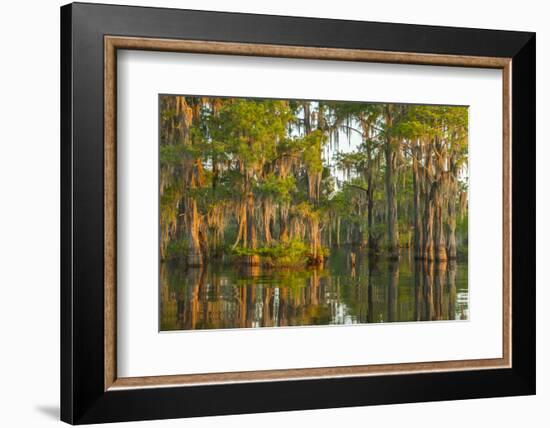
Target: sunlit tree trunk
[(266, 212), (417, 191), (440, 251), (428, 225), (194, 178), (451, 212), (315, 238), (390, 152), (242, 229), (194, 256), (451, 230), (283, 224), (371, 244), (314, 187), (253, 259)]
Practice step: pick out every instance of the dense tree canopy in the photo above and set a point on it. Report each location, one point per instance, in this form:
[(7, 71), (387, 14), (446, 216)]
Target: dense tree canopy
[(280, 182)]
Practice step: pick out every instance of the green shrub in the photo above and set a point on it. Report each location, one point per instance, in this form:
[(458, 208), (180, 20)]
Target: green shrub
[(289, 253)]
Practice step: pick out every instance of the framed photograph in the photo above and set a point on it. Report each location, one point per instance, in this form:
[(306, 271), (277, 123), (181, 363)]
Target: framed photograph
[(265, 213)]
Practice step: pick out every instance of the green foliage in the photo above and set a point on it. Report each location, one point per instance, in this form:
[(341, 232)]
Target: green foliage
[(249, 129), (280, 189), (171, 154), (312, 155), (291, 253), (462, 234)]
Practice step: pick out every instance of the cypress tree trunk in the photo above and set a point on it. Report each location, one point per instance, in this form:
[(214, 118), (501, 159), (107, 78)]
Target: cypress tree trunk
[(451, 231), (391, 189), (283, 224), (370, 208), (252, 260), (241, 233), (338, 222), (440, 252), (428, 250), (330, 230), (418, 236), (194, 256), (315, 237), (189, 113), (451, 215), (391, 200), (266, 211)]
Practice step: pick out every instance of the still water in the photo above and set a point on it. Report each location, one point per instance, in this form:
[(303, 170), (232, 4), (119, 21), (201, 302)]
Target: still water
[(374, 290)]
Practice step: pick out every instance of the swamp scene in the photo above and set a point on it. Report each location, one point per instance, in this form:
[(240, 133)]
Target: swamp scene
[(281, 213)]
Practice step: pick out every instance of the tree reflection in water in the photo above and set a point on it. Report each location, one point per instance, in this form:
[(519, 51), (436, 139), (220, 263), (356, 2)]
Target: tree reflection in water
[(369, 290)]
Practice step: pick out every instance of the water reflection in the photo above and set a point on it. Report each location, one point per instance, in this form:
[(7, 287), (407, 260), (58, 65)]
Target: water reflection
[(347, 290)]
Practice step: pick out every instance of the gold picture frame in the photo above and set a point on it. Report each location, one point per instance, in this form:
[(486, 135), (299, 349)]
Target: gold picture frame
[(114, 43)]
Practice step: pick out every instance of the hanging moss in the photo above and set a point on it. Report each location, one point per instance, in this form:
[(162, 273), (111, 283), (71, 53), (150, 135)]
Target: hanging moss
[(278, 182)]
